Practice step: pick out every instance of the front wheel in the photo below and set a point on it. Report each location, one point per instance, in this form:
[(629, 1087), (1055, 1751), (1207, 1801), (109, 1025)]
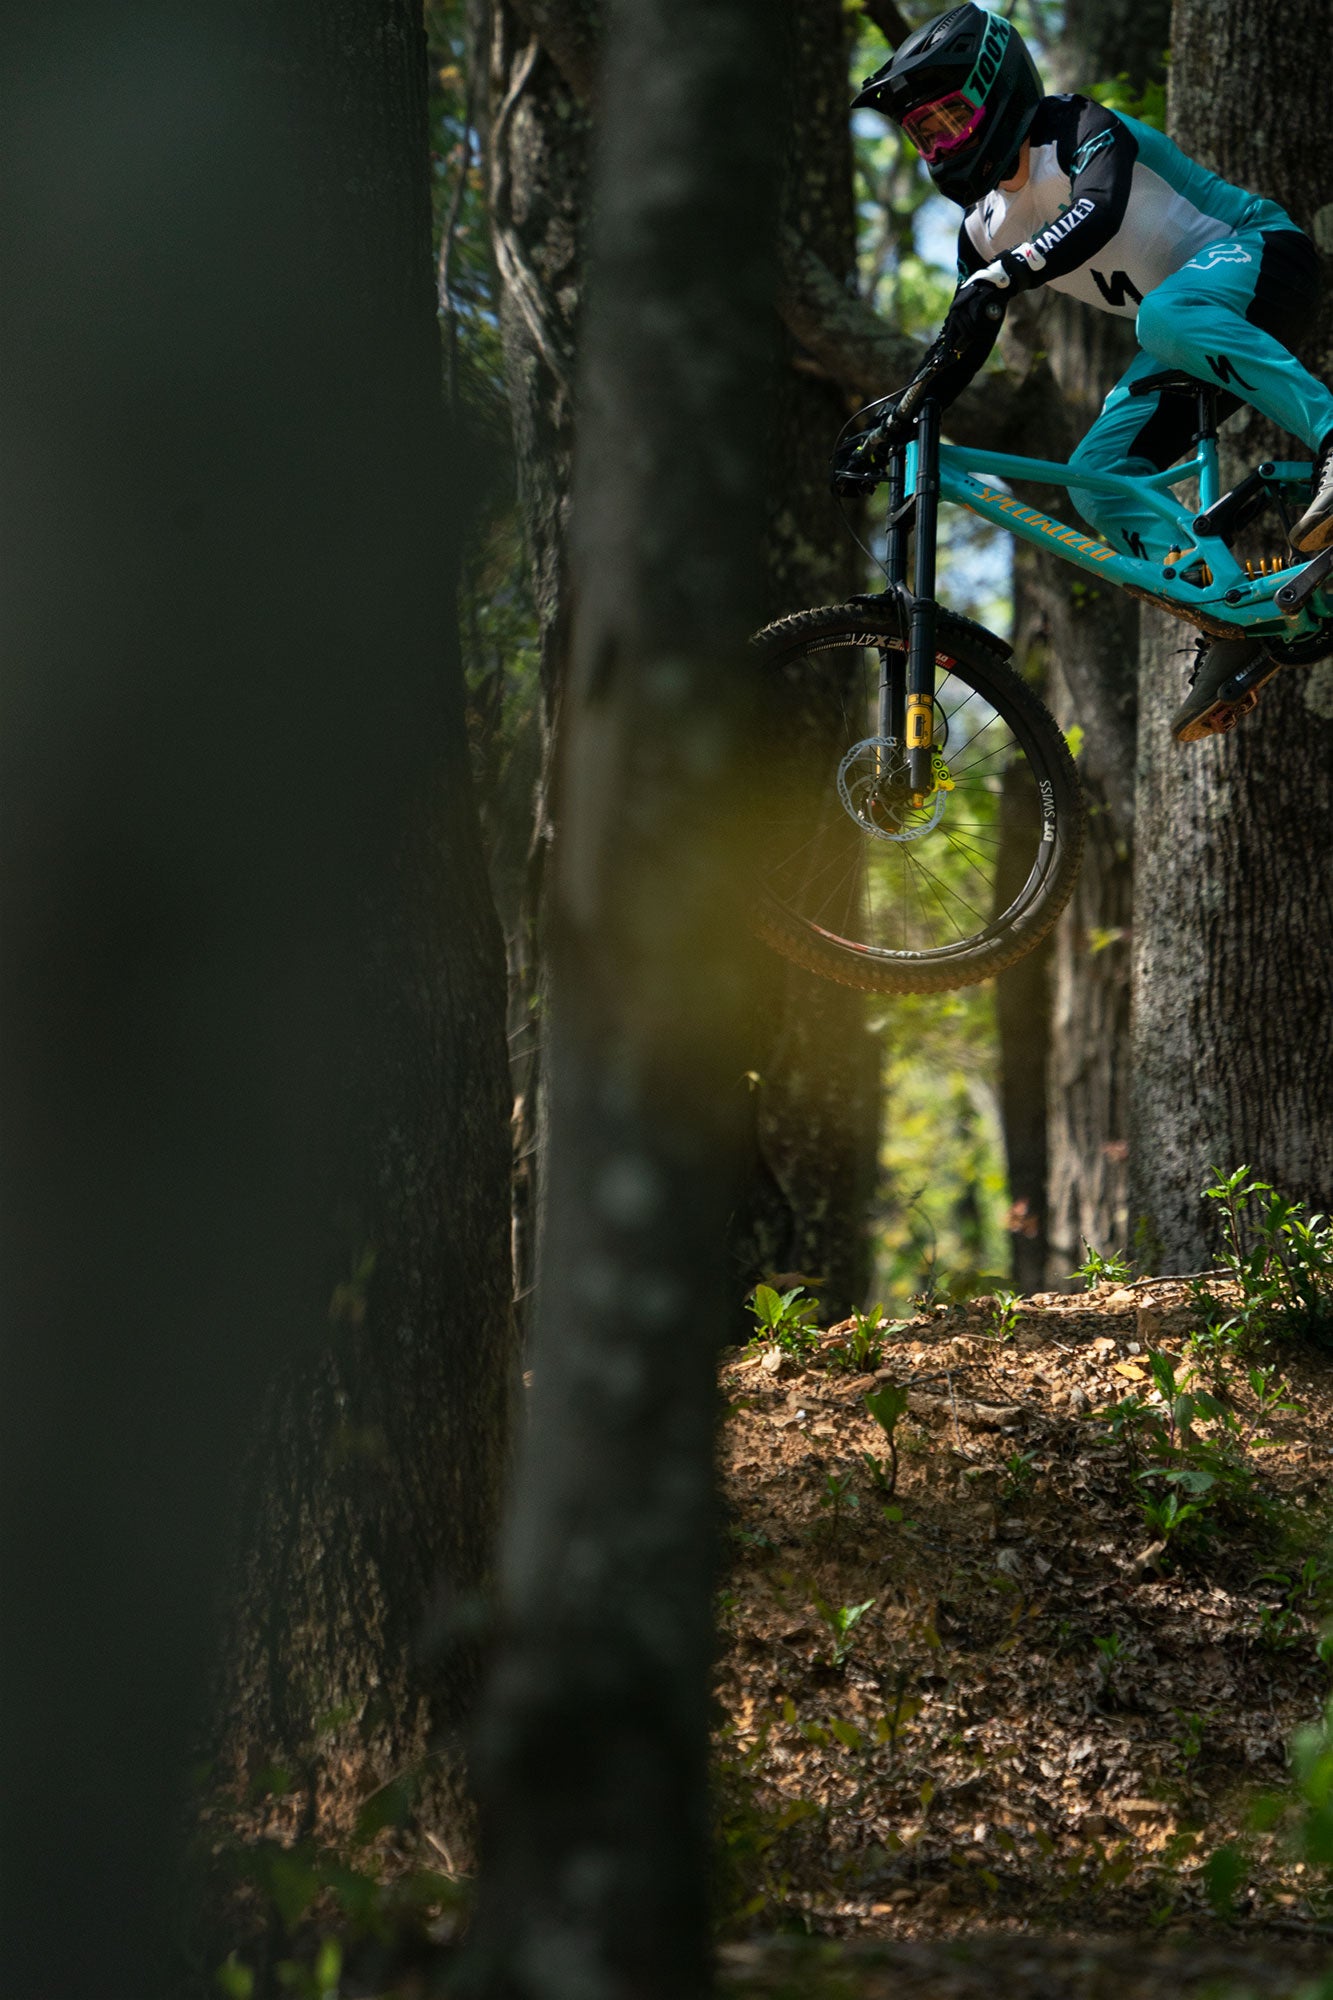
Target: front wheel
[(861, 883)]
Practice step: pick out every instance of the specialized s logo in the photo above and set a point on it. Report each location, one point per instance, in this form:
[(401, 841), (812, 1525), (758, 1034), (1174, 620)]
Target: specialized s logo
[(1117, 289), (1219, 253)]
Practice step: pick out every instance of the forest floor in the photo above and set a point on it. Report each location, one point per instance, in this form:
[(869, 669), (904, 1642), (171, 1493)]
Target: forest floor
[(1017, 1723)]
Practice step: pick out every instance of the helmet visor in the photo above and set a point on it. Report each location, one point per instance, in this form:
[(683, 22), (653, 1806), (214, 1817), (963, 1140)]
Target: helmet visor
[(943, 126)]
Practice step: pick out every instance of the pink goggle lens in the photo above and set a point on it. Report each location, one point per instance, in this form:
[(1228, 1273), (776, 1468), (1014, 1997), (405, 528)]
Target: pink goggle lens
[(942, 127)]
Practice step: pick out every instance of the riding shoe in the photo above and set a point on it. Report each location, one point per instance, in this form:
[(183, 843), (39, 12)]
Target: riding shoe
[(1314, 530), (1228, 674)]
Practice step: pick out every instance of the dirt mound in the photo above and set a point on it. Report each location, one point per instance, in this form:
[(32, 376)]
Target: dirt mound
[(1005, 1694)]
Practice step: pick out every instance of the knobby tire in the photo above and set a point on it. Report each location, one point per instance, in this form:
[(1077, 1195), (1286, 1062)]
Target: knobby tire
[(983, 684)]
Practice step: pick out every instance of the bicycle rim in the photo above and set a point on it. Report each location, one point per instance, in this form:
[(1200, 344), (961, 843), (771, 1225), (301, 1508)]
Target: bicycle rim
[(861, 885)]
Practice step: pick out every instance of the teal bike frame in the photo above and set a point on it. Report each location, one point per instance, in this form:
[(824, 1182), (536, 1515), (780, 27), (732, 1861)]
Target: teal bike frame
[(1204, 584)]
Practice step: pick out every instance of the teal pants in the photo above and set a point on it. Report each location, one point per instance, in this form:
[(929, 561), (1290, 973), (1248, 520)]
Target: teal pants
[(1227, 317)]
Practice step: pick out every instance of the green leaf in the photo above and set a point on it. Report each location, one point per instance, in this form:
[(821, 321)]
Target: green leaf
[(767, 1305), (237, 1981), (887, 1405), (1223, 1873), (328, 1968)]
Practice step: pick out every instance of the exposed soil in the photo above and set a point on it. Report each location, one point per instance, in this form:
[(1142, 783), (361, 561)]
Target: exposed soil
[(979, 1766)]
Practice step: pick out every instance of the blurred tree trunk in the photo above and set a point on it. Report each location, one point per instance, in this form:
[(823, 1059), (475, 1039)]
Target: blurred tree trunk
[(252, 981), (375, 1479), (1233, 926), (594, 1753), (816, 1098)]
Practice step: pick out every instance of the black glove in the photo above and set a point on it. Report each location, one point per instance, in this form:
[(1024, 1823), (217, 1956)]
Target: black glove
[(974, 319)]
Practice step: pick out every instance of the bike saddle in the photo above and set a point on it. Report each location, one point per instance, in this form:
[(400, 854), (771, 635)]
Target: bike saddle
[(1171, 381)]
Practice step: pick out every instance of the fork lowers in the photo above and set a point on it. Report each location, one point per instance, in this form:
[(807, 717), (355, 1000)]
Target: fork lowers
[(921, 645)]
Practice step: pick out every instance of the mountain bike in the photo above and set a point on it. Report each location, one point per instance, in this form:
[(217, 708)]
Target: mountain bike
[(942, 836)]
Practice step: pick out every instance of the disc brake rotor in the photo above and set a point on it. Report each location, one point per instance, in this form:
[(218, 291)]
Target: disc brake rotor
[(872, 784)]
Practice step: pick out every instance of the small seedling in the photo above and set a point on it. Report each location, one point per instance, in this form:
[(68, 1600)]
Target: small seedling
[(860, 1350), (1187, 1740), (1167, 1515), (1111, 1652), (1020, 1469), (786, 1318), (1099, 1270), (1271, 1392), (887, 1406), (1005, 1315), (836, 1496), (842, 1620)]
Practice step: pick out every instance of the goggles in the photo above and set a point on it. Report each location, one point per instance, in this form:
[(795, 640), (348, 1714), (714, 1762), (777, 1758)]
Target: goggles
[(942, 127)]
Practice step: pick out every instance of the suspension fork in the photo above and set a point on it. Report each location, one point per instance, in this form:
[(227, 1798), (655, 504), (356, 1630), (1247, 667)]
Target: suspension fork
[(920, 728), (892, 683)]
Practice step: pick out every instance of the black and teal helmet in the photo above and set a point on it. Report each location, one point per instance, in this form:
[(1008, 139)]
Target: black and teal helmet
[(965, 90)]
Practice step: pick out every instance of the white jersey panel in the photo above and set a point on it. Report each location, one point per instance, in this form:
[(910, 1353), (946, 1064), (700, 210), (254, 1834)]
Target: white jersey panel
[(1161, 230)]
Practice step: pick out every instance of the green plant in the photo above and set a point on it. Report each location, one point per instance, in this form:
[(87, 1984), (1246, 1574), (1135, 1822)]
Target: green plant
[(836, 1496), (1187, 1739), (1005, 1315), (1271, 1392), (860, 1351), (1098, 1270), (842, 1620), (1020, 1469), (887, 1406), (1281, 1259), (1167, 1515), (787, 1318), (1111, 1652)]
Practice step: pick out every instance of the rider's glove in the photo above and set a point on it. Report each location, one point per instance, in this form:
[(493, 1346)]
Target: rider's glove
[(974, 318)]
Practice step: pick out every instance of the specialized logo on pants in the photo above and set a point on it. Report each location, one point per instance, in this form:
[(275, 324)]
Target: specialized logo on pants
[(1219, 253)]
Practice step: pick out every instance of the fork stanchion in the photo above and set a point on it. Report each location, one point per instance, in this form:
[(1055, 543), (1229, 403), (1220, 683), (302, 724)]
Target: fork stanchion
[(921, 645), (892, 686)]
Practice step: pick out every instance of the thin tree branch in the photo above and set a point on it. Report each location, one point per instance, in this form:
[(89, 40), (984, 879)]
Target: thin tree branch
[(570, 33), (867, 356), (882, 14), (839, 331)]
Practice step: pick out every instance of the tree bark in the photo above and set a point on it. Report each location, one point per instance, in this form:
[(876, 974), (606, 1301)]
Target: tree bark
[(536, 149), (1069, 1185), (816, 1100), (1233, 923), (234, 769), (816, 1095), (375, 1480), (595, 1747)]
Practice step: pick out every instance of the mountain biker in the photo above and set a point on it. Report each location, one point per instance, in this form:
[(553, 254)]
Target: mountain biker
[(1060, 191)]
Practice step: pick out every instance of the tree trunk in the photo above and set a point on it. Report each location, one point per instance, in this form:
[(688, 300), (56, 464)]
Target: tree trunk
[(1084, 640), (595, 1749), (1233, 923), (817, 1098), (536, 136), (375, 1480), (234, 765)]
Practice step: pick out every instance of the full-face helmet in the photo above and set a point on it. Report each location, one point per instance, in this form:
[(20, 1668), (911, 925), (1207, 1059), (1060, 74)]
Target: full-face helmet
[(965, 90)]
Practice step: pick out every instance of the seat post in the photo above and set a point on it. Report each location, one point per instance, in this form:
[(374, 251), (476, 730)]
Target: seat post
[(1206, 413)]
